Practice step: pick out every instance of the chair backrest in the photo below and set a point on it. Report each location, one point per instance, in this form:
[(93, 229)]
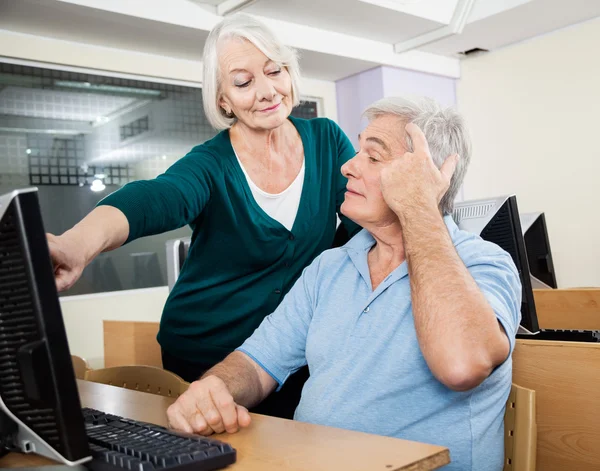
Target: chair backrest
[(80, 366), (131, 343), (520, 430), (140, 378)]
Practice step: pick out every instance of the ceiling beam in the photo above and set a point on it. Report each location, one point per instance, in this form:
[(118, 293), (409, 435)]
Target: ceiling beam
[(231, 6), (456, 26), (190, 15)]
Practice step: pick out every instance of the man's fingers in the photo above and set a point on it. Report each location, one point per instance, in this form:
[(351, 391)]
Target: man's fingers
[(449, 166), (209, 410), (177, 420), (200, 426), (226, 408), (418, 138), (243, 416)]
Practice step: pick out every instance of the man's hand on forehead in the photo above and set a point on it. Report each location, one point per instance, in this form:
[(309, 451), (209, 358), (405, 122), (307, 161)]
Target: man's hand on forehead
[(412, 181)]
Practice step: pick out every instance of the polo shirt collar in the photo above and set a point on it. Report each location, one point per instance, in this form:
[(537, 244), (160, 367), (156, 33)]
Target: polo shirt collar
[(359, 246)]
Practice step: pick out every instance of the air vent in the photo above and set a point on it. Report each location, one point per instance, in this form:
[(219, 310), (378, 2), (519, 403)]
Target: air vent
[(134, 128), (476, 51), (18, 327), (471, 212)]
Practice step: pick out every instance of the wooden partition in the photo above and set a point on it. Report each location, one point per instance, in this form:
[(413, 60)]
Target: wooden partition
[(131, 343), (576, 309), (566, 379)]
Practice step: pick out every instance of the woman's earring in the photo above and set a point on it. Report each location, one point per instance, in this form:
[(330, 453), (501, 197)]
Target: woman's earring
[(228, 113)]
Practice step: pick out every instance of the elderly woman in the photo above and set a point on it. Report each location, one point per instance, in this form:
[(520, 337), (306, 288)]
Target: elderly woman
[(261, 198), (408, 328)]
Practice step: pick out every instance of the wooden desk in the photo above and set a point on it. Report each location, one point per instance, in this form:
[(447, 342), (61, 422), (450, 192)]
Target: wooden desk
[(270, 443), (565, 378)]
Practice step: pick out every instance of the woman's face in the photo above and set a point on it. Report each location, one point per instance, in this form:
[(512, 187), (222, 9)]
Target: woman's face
[(254, 88)]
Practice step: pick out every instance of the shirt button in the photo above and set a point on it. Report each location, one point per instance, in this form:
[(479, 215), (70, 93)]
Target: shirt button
[(277, 291), (291, 237)]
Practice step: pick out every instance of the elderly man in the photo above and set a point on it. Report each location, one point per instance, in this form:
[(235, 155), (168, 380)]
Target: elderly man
[(408, 329)]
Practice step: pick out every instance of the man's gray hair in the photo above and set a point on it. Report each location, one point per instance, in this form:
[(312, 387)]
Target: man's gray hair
[(242, 26), (444, 129)]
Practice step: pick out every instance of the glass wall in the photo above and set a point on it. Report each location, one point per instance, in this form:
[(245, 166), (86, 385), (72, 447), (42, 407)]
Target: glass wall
[(78, 137)]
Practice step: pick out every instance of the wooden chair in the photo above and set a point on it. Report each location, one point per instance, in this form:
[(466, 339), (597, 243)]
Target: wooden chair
[(131, 343), (140, 378), (520, 430), (80, 366)]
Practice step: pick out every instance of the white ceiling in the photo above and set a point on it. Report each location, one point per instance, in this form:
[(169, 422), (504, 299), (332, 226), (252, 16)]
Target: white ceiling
[(351, 17), (526, 21), (334, 37)]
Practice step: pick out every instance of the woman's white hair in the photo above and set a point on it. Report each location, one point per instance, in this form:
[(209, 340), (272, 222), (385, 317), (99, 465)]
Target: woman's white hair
[(242, 26), (444, 129)]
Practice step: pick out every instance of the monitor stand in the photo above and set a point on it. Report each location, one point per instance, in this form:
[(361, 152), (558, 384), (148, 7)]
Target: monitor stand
[(8, 434)]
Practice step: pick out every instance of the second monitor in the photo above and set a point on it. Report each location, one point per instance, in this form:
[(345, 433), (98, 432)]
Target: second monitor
[(497, 220)]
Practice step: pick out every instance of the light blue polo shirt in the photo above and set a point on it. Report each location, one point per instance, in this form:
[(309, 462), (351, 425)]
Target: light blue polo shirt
[(367, 372)]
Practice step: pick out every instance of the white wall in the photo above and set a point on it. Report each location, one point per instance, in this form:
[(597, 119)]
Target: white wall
[(83, 316), (533, 110)]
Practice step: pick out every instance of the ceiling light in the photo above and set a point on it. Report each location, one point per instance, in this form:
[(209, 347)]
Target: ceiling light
[(28, 151), (100, 175), (97, 185), (105, 88), (164, 157)]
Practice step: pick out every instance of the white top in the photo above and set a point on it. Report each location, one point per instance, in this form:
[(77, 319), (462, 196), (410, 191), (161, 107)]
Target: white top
[(283, 207)]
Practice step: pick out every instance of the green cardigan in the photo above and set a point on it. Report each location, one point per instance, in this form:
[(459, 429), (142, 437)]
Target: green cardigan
[(241, 262)]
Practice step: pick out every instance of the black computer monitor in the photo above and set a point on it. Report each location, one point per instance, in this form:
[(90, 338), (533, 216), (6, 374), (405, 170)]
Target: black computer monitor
[(497, 220), (40, 410), (537, 245)]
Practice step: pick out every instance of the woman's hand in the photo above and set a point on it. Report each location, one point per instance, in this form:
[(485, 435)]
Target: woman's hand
[(105, 228), (68, 259)]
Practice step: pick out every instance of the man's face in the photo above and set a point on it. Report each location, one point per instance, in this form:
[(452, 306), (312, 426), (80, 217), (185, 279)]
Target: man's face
[(380, 142)]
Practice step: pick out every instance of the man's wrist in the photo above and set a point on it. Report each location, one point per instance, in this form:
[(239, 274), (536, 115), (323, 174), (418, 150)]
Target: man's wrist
[(416, 211)]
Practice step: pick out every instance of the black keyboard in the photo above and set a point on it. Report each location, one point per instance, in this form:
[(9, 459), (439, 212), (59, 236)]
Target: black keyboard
[(120, 443), (565, 335)]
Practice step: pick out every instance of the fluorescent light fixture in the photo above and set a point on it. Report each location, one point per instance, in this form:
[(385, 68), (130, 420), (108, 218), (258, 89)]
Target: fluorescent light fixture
[(61, 132), (87, 86), (101, 176), (97, 185)]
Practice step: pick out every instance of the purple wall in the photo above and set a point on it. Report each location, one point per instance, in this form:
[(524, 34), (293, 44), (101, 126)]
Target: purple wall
[(358, 91), (354, 94), (401, 82)]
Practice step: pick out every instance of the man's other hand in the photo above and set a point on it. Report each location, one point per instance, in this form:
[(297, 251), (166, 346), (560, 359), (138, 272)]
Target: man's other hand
[(207, 407)]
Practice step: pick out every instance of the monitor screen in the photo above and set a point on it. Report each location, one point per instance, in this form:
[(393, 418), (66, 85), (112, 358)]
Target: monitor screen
[(538, 249), (40, 410), (497, 220)]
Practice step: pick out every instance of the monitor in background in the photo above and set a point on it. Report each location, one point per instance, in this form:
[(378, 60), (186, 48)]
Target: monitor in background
[(497, 220), (539, 254), (177, 250), (40, 410)]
